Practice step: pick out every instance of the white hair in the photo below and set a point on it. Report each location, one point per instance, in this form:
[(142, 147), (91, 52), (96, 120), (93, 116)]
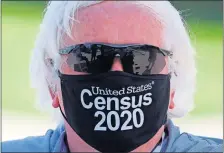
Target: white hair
[(57, 20)]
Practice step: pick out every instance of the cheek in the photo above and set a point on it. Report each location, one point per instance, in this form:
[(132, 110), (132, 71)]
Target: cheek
[(166, 68)]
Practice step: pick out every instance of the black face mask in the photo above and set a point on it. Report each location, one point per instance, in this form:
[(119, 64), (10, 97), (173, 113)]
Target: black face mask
[(115, 111)]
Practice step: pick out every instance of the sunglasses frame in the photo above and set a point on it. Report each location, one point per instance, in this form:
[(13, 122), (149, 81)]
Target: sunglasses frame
[(68, 49)]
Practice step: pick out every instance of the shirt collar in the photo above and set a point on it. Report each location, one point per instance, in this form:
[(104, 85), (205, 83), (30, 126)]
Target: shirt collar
[(64, 144)]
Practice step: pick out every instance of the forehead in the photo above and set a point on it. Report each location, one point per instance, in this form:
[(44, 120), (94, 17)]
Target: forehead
[(116, 22)]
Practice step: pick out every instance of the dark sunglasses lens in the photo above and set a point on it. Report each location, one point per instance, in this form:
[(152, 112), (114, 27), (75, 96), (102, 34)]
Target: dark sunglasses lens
[(97, 59), (90, 59), (148, 62)]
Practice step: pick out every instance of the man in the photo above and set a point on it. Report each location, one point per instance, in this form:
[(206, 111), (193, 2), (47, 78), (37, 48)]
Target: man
[(122, 100)]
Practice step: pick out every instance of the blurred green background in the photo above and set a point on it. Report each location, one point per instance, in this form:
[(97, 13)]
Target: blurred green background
[(20, 24)]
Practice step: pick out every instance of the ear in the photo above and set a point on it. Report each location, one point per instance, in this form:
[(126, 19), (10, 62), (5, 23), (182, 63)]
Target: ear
[(172, 105), (55, 102), (50, 64), (54, 96)]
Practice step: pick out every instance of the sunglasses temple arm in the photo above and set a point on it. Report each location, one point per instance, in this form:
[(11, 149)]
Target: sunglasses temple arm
[(166, 52)]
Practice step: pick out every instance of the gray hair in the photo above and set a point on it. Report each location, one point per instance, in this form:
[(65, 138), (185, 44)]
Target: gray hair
[(56, 22)]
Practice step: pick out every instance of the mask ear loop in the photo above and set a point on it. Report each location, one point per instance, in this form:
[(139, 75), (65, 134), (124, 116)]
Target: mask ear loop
[(166, 118), (63, 114), (169, 75)]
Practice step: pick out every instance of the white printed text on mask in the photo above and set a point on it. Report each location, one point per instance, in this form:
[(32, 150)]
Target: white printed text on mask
[(135, 119)]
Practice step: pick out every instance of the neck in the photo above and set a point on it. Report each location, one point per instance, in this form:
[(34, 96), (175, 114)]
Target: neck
[(150, 145), (76, 144)]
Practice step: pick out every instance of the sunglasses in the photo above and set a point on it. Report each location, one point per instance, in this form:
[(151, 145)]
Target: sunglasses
[(96, 58)]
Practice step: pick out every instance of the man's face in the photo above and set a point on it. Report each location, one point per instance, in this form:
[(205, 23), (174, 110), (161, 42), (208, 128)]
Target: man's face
[(114, 23)]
